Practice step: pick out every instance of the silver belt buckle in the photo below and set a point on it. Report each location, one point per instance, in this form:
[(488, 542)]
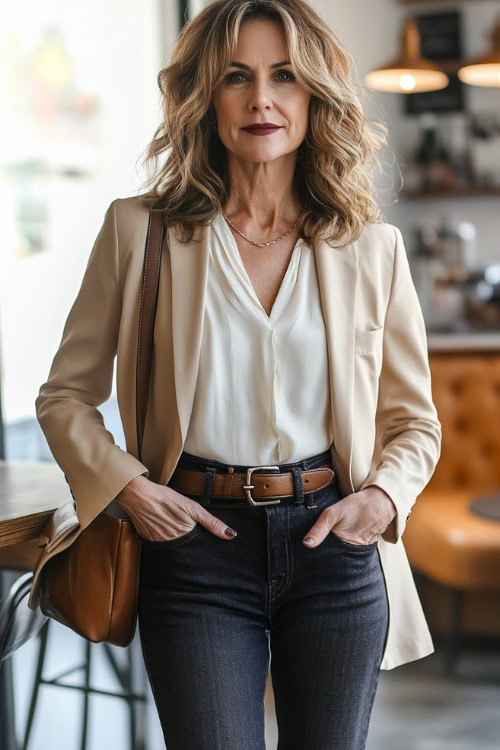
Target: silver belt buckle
[(248, 487)]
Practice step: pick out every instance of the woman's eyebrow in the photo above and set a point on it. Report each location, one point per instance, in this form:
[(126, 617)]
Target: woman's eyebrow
[(236, 64)]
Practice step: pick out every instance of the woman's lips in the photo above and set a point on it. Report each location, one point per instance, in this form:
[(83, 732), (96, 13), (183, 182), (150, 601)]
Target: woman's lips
[(262, 130)]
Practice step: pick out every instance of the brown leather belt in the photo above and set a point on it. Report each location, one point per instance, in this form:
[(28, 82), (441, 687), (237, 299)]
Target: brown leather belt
[(249, 485)]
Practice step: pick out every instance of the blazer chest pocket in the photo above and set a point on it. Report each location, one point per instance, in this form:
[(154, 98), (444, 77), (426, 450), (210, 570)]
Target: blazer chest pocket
[(368, 341)]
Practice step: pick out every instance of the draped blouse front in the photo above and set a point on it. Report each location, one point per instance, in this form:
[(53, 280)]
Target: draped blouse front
[(262, 393)]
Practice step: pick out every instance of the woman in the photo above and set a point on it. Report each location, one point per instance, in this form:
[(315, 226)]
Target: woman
[(290, 372)]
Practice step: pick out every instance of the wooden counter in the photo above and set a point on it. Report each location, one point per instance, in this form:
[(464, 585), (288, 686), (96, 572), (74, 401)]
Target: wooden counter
[(463, 342)]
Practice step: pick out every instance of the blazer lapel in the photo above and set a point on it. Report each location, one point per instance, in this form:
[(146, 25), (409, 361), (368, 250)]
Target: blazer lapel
[(338, 284), (189, 263)]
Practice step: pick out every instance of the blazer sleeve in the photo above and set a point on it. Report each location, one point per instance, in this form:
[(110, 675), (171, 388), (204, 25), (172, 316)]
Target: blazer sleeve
[(80, 379), (408, 431)]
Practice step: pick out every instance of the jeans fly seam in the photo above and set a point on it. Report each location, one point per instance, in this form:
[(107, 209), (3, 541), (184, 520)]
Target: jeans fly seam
[(289, 564), (289, 568), (268, 545), (289, 554)]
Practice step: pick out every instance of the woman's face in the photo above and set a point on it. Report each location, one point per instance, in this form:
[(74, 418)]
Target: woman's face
[(256, 90)]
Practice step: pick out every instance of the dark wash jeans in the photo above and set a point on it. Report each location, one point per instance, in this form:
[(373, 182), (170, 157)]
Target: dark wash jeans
[(213, 615)]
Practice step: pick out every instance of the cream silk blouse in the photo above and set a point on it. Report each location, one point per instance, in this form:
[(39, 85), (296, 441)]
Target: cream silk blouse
[(262, 394)]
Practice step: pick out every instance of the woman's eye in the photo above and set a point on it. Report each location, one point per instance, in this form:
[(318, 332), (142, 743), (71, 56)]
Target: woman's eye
[(230, 77), (286, 72)]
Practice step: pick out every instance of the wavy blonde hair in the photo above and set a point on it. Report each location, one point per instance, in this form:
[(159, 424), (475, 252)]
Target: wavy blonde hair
[(332, 177)]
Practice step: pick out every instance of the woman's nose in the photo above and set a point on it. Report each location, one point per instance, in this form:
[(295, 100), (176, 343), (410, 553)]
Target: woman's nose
[(260, 95)]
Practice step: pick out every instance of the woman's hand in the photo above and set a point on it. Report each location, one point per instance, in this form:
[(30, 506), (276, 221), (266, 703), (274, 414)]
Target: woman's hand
[(359, 518), (159, 513)]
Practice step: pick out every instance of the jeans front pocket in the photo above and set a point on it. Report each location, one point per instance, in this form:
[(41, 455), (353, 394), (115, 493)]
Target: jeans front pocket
[(176, 541), (349, 545)]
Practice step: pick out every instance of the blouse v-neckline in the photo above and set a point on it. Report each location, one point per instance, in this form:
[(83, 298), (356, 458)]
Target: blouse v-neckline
[(236, 261)]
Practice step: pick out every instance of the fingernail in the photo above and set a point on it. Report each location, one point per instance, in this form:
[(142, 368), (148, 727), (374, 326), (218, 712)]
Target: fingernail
[(308, 540), (230, 532)]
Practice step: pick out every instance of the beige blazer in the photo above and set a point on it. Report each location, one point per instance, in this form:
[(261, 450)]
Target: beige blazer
[(384, 421)]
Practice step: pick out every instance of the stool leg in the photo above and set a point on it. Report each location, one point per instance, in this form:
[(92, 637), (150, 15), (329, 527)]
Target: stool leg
[(137, 708), (456, 608), (43, 633), (7, 718), (7, 708), (141, 711), (131, 703), (86, 695), (143, 707)]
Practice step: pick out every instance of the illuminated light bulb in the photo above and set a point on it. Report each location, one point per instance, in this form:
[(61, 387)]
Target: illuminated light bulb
[(407, 82)]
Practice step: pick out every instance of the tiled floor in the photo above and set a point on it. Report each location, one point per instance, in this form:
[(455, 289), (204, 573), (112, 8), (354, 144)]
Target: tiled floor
[(415, 707)]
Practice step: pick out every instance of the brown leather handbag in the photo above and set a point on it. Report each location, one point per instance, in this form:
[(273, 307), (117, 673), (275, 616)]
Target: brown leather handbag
[(92, 585)]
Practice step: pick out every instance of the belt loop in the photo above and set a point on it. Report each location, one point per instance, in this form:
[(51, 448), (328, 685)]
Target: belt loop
[(299, 487), (207, 489)]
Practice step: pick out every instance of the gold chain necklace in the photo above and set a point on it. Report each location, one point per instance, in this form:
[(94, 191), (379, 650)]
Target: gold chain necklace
[(262, 244)]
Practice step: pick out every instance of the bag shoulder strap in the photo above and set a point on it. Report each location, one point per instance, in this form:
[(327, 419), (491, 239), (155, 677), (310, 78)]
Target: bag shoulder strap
[(149, 297)]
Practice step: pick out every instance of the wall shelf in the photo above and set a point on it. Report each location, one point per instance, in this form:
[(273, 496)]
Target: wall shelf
[(429, 2), (469, 191)]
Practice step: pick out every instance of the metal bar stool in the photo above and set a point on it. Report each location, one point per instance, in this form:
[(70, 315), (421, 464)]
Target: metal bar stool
[(18, 623), (124, 675)]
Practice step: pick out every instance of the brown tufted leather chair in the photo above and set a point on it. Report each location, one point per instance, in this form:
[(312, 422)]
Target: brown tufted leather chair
[(448, 545)]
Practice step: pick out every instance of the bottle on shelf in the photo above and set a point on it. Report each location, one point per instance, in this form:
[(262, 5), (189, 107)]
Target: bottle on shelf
[(451, 250), (426, 153), (432, 160), (484, 132), (447, 174), (466, 233), (428, 270), (459, 149)]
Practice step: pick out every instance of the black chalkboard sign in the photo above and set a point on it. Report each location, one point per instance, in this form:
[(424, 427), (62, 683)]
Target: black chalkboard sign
[(440, 40), (450, 99), (440, 35)]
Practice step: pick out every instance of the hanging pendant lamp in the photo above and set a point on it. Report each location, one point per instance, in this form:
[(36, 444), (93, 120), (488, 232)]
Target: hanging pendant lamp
[(485, 70), (408, 73)]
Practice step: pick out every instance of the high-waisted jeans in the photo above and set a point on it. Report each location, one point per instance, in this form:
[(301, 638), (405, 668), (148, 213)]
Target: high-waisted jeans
[(215, 614)]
